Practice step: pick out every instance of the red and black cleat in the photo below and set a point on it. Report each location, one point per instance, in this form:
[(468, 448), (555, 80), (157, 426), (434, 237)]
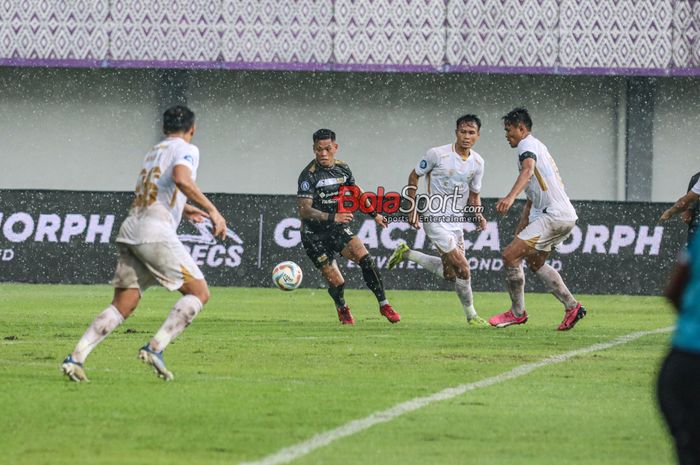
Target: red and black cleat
[(389, 313), (571, 317), (345, 316)]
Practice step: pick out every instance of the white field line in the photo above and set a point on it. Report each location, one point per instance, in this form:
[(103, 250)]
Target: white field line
[(301, 449)]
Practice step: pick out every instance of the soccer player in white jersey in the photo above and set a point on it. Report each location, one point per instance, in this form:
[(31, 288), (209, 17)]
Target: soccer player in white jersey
[(449, 167), (149, 250), (545, 222)]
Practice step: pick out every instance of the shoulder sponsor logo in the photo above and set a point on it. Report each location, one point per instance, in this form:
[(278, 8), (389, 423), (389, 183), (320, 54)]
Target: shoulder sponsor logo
[(305, 185), (331, 181), (423, 164), (189, 158)]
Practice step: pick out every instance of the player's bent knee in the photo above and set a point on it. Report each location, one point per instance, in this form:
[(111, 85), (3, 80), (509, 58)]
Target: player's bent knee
[(366, 262), (126, 301), (463, 272), (534, 265), (511, 257), (198, 288), (335, 281)]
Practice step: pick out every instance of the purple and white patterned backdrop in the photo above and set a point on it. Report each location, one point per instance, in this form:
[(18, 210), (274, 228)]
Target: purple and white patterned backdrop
[(647, 37)]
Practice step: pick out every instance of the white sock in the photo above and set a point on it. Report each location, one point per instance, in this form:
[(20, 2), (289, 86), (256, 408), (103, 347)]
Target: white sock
[(552, 279), (429, 262), (99, 329), (180, 317), (463, 287), (516, 288), (384, 302)]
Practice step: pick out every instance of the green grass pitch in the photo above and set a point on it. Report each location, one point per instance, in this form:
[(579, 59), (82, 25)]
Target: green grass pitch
[(260, 370)]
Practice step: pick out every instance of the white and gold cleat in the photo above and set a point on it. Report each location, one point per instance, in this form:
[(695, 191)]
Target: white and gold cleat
[(73, 370)]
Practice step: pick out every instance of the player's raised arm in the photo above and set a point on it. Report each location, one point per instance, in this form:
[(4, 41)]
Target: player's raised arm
[(182, 177), (527, 170), (194, 214), (681, 205)]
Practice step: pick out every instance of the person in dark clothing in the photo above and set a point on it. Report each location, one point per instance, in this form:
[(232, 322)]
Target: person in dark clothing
[(326, 231)]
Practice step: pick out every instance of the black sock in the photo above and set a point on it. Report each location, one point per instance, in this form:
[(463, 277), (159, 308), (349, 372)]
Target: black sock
[(372, 278), (337, 294)]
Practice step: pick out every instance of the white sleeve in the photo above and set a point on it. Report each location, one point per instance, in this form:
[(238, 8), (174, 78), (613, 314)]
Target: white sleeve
[(188, 156), (527, 145), (427, 163), (475, 183), (696, 188)]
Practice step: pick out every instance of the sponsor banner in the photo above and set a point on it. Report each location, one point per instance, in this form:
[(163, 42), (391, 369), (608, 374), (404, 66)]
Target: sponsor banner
[(68, 237)]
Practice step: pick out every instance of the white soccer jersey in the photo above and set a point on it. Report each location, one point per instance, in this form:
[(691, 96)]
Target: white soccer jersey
[(157, 208), (445, 170), (545, 189)]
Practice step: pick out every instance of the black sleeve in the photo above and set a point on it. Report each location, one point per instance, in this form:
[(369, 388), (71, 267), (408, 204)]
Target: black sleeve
[(693, 181), (351, 179), (306, 186), (525, 155)]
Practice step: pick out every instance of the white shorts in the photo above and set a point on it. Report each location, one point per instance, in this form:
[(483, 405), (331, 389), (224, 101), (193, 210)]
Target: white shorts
[(545, 233), (141, 265), (445, 239)]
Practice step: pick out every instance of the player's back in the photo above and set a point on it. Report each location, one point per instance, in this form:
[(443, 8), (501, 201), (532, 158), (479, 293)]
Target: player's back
[(158, 204), (546, 188)]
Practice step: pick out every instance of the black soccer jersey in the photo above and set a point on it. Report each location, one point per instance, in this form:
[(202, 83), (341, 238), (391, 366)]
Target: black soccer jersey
[(323, 185)]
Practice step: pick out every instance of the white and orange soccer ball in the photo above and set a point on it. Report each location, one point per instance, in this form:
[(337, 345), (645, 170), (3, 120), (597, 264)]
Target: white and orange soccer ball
[(287, 276)]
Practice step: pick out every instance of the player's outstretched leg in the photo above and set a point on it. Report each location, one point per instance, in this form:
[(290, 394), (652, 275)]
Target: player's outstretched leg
[(398, 255), (516, 315), (374, 283), (183, 312), (98, 330), (429, 262), (573, 311)]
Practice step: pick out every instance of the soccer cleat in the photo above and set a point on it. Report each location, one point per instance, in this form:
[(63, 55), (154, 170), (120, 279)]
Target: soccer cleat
[(155, 359), (397, 255), (571, 317), (507, 318), (477, 321), (345, 316), (390, 313), (73, 369)]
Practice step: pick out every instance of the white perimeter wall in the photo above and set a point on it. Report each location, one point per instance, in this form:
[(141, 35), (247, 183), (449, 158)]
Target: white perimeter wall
[(88, 129)]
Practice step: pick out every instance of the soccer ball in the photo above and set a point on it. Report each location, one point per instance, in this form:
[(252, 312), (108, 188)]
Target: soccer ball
[(287, 276)]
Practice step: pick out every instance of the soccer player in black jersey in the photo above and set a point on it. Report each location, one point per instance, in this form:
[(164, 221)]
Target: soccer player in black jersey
[(325, 231), (688, 206)]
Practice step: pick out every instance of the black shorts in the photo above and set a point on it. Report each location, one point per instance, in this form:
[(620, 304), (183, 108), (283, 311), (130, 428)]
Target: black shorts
[(679, 398), (321, 245)]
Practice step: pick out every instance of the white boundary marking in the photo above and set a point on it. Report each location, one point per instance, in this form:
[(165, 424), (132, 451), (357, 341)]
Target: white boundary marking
[(290, 453)]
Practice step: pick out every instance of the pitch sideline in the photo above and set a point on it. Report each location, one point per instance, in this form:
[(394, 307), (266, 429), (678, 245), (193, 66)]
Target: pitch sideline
[(301, 449)]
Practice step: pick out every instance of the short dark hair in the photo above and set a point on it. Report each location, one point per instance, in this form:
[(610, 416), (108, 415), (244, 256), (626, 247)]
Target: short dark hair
[(517, 116), (177, 119), (469, 119), (323, 134)]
